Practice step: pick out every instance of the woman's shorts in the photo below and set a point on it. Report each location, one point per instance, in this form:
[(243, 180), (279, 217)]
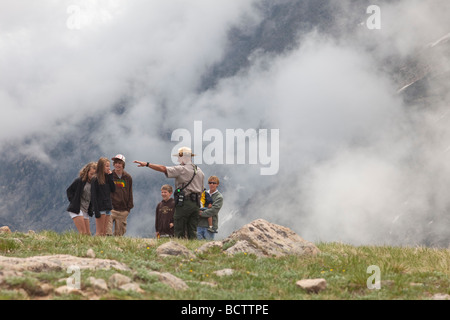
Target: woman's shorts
[(108, 213), (81, 214)]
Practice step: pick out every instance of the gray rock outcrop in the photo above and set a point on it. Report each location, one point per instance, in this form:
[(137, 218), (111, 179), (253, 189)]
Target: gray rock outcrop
[(264, 238)]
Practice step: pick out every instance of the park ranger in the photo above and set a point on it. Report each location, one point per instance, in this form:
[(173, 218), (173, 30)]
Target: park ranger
[(189, 180)]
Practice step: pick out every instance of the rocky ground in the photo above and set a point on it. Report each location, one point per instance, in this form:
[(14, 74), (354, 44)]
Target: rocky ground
[(261, 238)]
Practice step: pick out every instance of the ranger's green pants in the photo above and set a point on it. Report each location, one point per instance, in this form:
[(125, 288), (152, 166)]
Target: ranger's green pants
[(185, 220)]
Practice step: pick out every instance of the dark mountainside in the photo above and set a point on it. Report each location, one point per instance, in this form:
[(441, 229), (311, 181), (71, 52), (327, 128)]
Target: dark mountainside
[(33, 192)]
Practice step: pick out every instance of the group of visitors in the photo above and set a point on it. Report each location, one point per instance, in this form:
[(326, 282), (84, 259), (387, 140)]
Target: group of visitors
[(105, 194), (108, 195)]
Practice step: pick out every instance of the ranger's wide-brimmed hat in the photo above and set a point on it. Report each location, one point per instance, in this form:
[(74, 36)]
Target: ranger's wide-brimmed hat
[(184, 151)]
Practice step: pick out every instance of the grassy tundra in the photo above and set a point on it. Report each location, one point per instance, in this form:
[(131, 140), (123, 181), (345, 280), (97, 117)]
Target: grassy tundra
[(406, 273)]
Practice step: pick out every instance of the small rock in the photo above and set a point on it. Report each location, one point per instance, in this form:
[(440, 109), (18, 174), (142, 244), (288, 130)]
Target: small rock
[(210, 284), (173, 248), (5, 229), (67, 290), (441, 296), (312, 285), (209, 245), (132, 286), (117, 280), (224, 272), (90, 253), (98, 284), (170, 280), (416, 284)]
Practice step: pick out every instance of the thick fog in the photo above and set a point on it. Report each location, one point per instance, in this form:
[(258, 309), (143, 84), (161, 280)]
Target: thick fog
[(333, 151)]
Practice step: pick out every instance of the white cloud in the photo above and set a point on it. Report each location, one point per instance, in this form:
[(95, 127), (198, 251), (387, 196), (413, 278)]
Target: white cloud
[(343, 130)]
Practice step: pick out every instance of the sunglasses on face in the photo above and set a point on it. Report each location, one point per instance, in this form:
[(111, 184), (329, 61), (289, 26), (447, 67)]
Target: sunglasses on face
[(212, 182)]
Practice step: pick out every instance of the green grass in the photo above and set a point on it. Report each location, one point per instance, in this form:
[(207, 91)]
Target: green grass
[(407, 273)]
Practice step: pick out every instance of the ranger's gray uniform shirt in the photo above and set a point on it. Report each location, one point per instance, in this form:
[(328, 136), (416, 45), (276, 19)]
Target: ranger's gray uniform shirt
[(183, 174)]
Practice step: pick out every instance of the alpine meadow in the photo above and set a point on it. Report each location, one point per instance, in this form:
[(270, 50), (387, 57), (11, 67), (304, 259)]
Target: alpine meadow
[(329, 118)]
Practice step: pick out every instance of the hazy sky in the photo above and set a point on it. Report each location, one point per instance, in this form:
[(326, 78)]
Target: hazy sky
[(354, 165)]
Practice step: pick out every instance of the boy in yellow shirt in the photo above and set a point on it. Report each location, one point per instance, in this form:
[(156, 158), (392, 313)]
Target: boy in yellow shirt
[(206, 203)]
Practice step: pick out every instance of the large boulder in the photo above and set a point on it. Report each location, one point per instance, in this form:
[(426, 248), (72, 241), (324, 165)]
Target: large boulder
[(263, 238)]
